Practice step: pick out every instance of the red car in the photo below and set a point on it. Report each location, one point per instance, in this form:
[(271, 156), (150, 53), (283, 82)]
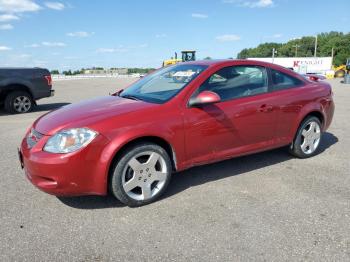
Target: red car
[(178, 117)]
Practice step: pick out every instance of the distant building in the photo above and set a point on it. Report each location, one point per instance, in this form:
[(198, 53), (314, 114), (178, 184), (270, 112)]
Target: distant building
[(111, 71), (315, 65)]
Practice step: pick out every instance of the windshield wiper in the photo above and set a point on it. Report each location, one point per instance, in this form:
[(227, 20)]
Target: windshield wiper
[(131, 97)]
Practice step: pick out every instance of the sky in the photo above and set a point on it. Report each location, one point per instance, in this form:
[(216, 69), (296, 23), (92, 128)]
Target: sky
[(76, 34)]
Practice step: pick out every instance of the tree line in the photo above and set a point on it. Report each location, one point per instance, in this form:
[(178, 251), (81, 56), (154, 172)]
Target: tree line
[(336, 42), (82, 71)]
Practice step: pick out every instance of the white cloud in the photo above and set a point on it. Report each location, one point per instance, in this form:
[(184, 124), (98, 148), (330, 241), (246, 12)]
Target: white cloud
[(112, 50), (260, 3), (80, 34), (18, 6), (24, 55), (295, 38), (142, 45), (105, 50), (198, 15), (33, 45), (18, 59), (53, 44), (55, 5), (161, 35), (277, 36), (8, 17), (46, 44), (121, 48), (5, 48), (70, 57), (40, 63), (251, 3), (228, 38), (274, 36), (6, 27)]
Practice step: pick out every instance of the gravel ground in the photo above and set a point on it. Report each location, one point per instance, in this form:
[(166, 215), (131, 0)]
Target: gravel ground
[(263, 207)]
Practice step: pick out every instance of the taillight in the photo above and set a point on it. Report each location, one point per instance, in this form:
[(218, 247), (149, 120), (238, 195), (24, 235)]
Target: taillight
[(313, 78), (49, 80)]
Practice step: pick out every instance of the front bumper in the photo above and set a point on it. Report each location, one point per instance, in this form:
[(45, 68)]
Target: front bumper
[(84, 172)]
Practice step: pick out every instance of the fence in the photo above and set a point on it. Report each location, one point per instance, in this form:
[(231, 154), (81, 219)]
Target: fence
[(76, 77)]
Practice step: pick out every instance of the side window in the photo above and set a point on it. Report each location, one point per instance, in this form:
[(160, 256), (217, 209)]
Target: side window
[(283, 81), (237, 81)]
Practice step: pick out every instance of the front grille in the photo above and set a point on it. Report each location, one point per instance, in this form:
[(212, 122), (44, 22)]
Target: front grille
[(33, 138)]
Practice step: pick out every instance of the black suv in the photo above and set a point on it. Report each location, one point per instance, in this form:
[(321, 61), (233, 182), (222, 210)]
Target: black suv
[(21, 87)]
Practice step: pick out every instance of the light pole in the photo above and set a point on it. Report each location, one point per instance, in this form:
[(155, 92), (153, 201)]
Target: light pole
[(296, 49), (315, 53), (274, 51)]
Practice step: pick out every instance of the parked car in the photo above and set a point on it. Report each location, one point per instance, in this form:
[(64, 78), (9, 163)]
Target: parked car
[(20, 88), (130, 143), (315, 77)]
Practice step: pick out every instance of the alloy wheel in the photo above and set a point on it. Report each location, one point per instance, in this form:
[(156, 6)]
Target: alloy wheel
[(144, 175), (22, 104), (310, 137)]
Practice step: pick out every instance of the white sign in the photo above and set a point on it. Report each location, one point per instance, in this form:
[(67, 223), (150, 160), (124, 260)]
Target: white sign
[(184, 73), (310, 64)]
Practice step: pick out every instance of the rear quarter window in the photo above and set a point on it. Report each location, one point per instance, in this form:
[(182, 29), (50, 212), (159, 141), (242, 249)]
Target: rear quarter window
[(40, 72), (282, 81)]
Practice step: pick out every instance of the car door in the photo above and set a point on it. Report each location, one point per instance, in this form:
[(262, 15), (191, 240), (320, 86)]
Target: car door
[(289, 104), (244, 121)]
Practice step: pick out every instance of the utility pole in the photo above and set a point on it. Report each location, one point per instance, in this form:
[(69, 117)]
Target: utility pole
[(274, 51), (332, 54), (315, 53), (296, 49)]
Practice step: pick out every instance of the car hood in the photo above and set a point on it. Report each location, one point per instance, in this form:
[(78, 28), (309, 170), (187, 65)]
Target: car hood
[(87, 113)]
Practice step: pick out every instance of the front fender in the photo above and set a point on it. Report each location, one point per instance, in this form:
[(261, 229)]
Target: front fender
[(127, 135)]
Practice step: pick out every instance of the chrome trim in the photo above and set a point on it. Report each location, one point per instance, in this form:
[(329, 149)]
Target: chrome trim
[(33, 138)]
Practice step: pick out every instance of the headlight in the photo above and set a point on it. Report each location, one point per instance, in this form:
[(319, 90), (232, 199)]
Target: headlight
[(70, 140)]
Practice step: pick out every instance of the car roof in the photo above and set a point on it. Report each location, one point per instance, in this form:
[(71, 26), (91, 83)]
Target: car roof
[(211, 62), (22, 68), (233, 62)]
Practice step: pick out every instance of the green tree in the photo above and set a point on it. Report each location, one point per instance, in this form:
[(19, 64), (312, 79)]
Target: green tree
[(139, 70), (67, 73), (336, 41)]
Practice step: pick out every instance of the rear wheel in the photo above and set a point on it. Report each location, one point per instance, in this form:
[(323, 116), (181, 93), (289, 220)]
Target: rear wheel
[(339, 73), (307, 139), (141, 175), (18, 102)]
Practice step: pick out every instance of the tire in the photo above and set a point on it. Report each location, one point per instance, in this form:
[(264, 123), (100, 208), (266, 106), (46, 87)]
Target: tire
[(339, 73), (307, 139), (18, 102), (136, 180)]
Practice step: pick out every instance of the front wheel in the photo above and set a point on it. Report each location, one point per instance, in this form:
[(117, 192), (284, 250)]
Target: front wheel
[(307, 139), (141, 175)]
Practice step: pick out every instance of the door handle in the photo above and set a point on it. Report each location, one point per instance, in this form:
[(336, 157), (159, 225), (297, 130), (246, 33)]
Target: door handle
[(266, 108)]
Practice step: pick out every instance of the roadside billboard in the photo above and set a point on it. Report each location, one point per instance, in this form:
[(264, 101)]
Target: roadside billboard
[(319, 65)]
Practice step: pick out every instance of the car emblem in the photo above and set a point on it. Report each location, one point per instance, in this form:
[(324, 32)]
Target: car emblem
[(33, 137)]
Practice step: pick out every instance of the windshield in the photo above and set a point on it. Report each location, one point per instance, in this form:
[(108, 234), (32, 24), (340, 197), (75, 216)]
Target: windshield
[(164, 84)]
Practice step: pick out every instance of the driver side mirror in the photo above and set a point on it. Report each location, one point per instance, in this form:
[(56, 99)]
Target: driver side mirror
[(204, 98)]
